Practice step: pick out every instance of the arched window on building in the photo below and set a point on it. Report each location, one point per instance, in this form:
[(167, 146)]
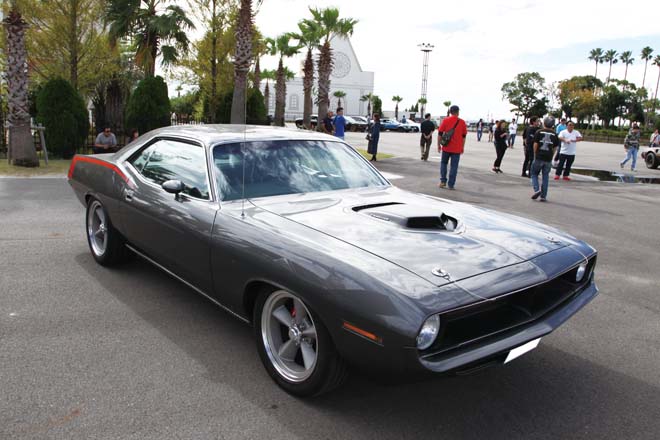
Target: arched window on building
[(293, 102)]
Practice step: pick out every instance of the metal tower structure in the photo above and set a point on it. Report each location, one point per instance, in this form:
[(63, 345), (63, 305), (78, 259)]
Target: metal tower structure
[(426, 49)]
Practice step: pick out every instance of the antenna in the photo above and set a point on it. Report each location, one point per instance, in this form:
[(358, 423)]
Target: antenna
[(243, 152)]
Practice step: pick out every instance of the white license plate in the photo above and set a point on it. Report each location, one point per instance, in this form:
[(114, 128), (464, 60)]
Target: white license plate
[(519, 351)]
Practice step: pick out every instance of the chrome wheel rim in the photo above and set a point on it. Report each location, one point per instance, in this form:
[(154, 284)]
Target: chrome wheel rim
[(97, 228), (289, 335)]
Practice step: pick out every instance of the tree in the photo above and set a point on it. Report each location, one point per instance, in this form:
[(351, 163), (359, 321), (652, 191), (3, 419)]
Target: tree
[(330, 26), (268, 75), (611, 100), (378, 104), (656, 62), (184, 106), (422, 102), (572, 94), (310, 37), (255, 110), (63, 113), (646, 55), (281, 46), (149, 106), (610, 57), (21, 147), (242, 60), (627, 59), (156, 30), (339, 94), (524, 92), (597, 56), (396, 99), (447, 104), (368, 98)]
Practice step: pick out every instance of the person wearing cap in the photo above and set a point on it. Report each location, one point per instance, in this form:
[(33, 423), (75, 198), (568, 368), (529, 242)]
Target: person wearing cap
[(569, 139), (452, 151), (631, 145), (545, 142)]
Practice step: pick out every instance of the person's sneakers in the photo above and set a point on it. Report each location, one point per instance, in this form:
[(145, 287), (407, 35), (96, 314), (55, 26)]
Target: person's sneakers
[(543, 199), (633, 170), (567, 178), (556, 177), (451, 187), (442, 185), (536, 195), (621, 165)]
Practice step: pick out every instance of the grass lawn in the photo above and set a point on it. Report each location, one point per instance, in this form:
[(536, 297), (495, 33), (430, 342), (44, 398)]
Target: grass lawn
[(378, 156), (55, 167)]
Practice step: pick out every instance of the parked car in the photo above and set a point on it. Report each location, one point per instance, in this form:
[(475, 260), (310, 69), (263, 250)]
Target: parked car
[(295, 233), (411, 126), (313, 121), (353, 124), (392, 125), (651, 156)]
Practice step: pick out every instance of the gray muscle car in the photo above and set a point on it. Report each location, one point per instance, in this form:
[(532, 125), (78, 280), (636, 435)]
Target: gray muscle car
[(295, 233)]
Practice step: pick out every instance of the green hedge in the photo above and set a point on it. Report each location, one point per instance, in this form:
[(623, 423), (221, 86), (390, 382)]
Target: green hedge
[(256, 108), (62, 112), (148, 107)]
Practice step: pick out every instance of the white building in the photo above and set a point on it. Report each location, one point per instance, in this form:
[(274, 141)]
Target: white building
[(347, 76)]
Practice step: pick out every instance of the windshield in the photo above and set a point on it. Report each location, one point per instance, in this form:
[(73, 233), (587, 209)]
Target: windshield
[(289, 167)]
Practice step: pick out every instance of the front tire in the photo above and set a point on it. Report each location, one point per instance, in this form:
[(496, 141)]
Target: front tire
[(651, 160), (105, 242), (294, 345)]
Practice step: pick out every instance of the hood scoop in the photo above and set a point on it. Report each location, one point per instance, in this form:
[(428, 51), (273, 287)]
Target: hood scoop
[(409, 217)]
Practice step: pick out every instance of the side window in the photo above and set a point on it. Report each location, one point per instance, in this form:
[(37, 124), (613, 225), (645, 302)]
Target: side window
[(140, 160), (173, 160)]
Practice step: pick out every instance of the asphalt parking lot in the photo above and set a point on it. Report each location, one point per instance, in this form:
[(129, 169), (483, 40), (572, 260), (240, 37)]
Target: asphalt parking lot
[(129, 353)]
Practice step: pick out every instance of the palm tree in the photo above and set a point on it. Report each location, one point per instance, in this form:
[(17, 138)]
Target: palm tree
[(367, 98), (339, 94), (610, 57), (422, 102), (646, 55), (154, 34), (396, 99), (330, 26), (242, 60), (281, 46), (656, 62), (597, 56), (627, 59), (268, 75), (21, 147), (447, 104), (310, 37)]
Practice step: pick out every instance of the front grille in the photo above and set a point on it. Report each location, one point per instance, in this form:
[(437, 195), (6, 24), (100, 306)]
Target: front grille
[(463, 327)]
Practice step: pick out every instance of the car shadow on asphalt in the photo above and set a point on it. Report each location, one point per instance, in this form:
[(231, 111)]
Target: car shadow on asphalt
[(548, 393)]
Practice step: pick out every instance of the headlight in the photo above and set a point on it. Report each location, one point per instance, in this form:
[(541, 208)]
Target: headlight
[(428, 332), (581, 270)]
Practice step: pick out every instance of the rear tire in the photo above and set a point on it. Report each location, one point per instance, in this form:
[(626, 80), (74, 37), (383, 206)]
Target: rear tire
[(105, 242), (651, 160), (294, 345)]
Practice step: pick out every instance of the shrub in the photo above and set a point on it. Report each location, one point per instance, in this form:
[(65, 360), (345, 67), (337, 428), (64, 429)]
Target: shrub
[(256, 109), (63, 113), (148, 107)]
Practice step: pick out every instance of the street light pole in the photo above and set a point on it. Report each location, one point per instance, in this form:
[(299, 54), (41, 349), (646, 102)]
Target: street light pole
[(426, 49)]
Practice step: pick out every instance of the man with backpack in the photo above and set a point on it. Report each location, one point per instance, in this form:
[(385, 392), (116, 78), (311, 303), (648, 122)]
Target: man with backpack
[(451, 143), (528, 145)]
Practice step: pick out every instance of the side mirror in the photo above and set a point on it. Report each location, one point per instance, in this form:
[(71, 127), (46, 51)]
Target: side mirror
[(173, 186)]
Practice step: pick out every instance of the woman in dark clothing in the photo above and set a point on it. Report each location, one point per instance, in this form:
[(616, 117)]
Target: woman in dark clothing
[(501, 135), (373, 137)]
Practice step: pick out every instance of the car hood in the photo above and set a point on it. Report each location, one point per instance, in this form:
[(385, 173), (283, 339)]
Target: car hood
[(439, 240)]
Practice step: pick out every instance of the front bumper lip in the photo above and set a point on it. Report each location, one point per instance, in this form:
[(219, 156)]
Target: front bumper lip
[(471, 356)]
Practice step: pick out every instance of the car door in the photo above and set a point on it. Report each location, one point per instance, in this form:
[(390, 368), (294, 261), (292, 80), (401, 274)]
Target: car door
[(173, 230)]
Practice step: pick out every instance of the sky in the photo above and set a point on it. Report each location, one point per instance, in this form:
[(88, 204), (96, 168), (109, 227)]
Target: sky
[(479, 44)]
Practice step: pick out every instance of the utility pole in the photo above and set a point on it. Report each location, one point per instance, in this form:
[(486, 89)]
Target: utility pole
[(426, 49)]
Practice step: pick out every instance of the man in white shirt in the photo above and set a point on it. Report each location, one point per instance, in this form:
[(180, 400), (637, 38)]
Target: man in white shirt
[(513, 128), (569, 138)]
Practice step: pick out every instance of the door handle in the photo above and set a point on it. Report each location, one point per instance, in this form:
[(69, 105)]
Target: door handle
[(128, 195)]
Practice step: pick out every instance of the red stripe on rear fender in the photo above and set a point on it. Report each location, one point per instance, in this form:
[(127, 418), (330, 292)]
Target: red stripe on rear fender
[(77, 158)]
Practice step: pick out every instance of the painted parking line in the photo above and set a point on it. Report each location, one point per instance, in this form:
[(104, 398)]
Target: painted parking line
[(391, 176)]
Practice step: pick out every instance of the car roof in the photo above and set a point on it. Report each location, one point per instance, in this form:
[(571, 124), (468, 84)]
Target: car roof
[(220, 133)]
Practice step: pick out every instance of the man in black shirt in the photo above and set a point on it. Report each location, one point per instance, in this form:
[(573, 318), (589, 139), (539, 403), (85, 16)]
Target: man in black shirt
[(328, 126), (528, 144), (545, 143), (427, 128)]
